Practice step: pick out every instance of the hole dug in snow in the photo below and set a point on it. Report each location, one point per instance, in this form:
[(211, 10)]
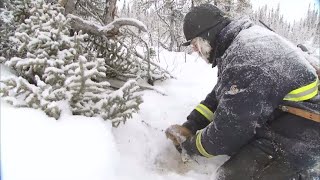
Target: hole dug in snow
[(170, 160)]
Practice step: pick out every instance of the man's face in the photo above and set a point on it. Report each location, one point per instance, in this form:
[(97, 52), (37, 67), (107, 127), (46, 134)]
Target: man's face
[(202, 47), (194, 46)]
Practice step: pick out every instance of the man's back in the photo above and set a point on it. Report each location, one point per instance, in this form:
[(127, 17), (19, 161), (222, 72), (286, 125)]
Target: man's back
[(261, 54), (258, 71)]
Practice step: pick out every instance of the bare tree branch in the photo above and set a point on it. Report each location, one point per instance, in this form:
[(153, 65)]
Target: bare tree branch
[(94, 15), (116, 24), (78, 23), (109, 30)]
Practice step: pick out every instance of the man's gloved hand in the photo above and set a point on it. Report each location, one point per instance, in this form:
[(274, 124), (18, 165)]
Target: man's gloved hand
[(178, 134)]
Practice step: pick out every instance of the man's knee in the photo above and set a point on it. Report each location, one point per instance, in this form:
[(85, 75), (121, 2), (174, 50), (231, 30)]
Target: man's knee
[(245, 164), (257, 161)]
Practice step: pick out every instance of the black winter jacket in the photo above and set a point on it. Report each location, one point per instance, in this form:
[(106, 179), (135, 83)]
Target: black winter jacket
[(256, 70)]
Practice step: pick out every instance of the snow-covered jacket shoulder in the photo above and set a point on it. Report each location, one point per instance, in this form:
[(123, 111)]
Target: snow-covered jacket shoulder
[(257, 69)]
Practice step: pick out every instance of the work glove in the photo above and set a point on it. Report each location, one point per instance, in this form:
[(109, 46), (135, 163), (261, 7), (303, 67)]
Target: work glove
[(178, 134)]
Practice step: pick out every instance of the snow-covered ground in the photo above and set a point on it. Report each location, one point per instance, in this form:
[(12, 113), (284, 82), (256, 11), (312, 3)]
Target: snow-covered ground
[(36, 147)]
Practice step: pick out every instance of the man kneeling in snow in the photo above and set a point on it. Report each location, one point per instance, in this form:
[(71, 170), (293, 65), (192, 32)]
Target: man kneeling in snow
[(262, 111)]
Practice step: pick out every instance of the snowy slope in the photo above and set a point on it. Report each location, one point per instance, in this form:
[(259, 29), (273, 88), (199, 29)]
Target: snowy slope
[(36, 147)]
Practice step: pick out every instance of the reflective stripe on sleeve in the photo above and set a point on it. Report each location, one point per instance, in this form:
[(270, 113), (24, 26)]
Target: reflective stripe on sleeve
[(206, 112), (200, 148), (303, 93)]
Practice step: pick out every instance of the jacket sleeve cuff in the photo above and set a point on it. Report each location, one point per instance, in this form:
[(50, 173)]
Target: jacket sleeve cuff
[(191, 125), (193, 146), (196, 121)]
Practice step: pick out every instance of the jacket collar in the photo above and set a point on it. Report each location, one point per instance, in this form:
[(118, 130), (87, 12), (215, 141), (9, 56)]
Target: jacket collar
[(226, 37)]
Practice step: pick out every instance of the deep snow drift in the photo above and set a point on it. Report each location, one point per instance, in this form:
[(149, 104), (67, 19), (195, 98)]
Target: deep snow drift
[(36, 147)]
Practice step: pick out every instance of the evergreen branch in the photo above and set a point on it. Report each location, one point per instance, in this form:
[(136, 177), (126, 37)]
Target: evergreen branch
[(151, 88), (115, 83), (148, 51), (154, 64), (82, 81), (129, 76)]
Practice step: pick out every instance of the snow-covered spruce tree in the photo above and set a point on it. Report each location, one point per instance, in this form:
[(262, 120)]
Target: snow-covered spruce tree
[(44, 48), (20, 93), (120, 47), (54, 67), (124, 62), (6, 30), (12, 14), (124, 102), (90, 96), (43, 45)]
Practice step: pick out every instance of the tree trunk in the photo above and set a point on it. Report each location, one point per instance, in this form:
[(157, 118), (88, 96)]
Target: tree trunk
[(69, 5), (109, 11), (172, 36)]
